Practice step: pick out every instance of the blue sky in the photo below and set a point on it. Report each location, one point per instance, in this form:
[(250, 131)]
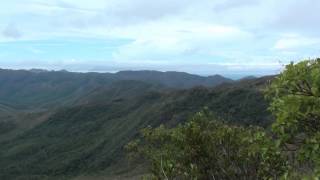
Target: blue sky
[(229, 37)]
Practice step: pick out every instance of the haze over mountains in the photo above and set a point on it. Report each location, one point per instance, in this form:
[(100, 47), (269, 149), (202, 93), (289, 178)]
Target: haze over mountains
[(62, 124)]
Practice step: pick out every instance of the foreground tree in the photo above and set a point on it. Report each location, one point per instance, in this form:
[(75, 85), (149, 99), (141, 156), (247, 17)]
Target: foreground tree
[(295, 102)]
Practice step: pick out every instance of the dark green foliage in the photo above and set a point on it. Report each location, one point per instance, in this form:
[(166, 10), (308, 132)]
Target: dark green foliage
[(208, 149), (82, 139)]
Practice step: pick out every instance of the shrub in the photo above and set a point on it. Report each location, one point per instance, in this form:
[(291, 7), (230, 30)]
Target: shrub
[(205, 148)]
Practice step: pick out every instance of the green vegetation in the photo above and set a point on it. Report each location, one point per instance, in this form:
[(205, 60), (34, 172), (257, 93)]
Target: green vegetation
[(89, 138), (63, 125), (295, 96), (205, 148)]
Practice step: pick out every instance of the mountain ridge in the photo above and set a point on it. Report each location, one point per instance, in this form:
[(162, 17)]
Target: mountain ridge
[(51, 88)]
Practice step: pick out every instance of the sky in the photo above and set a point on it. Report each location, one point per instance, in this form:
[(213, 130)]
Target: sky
[(228, 37)]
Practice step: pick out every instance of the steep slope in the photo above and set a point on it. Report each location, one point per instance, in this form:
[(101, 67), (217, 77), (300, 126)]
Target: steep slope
[(89, 138), (8, 117), (6, 113)]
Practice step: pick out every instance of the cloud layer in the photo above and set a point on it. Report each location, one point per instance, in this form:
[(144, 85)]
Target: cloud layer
[(204, 36)]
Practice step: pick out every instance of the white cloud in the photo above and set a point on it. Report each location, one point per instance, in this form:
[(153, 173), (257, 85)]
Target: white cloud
[(173, 31), (294, 41), (171, 39)]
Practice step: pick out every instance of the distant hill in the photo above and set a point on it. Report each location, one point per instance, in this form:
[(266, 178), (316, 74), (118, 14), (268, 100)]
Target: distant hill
[(40, 88), (89, 136), (24, 89), (38, 70), (247, 78), (174, 79)]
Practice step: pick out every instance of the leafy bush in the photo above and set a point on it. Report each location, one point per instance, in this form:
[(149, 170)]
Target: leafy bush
[(204, 148)]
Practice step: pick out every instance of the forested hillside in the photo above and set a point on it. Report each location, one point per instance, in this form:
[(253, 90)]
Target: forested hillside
[(206, 147), (89, 135)]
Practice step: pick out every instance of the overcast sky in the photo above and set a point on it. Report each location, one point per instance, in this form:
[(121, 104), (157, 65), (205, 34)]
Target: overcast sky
[(228, 37)]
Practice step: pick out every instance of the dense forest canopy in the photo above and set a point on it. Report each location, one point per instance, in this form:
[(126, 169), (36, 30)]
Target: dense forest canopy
[(207, 148)]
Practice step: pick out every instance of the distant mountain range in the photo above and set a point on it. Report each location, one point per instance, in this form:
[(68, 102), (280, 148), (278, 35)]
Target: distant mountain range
[(36, 87), (61, 124), (173, 79)]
